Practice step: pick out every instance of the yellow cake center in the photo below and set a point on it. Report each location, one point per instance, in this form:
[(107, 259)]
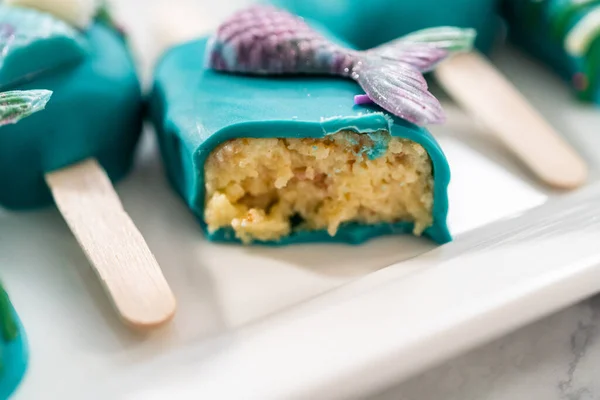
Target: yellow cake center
[(267, 188)]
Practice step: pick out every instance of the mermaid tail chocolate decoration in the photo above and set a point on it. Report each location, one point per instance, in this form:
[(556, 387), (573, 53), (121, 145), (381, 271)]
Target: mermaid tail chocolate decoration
[(266, 41)]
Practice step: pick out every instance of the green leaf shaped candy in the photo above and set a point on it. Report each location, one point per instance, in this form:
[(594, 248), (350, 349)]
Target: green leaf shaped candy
[(18, 104)]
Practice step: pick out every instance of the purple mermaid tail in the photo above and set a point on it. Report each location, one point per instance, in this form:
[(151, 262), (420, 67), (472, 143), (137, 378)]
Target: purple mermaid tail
[(265, 40)]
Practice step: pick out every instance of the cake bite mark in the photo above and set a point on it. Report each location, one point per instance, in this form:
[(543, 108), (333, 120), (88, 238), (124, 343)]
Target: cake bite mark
[(270, 188)]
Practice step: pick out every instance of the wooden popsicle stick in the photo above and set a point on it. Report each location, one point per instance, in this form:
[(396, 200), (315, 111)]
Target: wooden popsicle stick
[(113, 245), (477, 86)]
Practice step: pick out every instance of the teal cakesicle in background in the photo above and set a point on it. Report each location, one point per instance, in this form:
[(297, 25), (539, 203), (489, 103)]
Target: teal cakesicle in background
[(13, 348), (84, 139), (96, 109), (369, 23), (563, 34), (195, 109)]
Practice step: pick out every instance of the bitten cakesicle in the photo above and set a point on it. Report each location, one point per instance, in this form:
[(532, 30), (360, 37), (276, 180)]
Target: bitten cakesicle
[(261, 136), (84, 139), (469, 78), (564, 35)]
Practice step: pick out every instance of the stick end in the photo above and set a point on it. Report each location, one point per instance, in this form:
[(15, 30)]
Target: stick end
[(573, 177), (153, 317)]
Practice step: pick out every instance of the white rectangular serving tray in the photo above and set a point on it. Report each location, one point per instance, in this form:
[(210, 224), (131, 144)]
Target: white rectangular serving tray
[(322, 321)]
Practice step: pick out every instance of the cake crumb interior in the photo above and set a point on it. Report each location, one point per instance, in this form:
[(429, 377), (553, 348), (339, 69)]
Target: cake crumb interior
[(265, 189)]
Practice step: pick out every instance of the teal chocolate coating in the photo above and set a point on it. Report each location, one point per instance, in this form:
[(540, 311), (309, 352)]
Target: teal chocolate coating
[(95, 111), (369, 23), (13, 349), (34, 43), (195, 109)]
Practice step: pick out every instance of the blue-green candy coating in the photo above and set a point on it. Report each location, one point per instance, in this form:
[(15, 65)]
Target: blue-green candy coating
[(369, 23), (96, 111), (195, 109), (13, 358)]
